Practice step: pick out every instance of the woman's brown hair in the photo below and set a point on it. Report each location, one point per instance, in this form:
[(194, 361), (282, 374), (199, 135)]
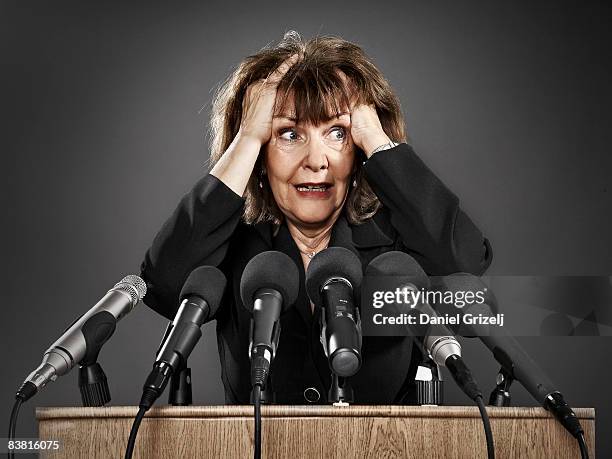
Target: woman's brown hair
[(319, 93)]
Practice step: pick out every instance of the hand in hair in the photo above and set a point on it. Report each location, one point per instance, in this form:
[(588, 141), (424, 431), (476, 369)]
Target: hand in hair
[(258, 104), (237, 163), (366, 130)]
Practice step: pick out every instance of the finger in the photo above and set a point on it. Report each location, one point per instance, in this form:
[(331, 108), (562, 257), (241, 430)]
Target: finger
[(282, 69), (350, 90), (258, 89)]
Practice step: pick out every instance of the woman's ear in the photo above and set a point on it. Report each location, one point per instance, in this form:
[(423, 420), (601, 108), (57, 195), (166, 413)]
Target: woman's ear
[(355, 171)]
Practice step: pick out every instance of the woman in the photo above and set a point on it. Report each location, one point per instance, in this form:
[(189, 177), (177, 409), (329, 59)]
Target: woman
[(308, 151)]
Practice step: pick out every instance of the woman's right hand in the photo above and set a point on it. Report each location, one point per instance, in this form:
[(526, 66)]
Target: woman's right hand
[(236, 165), (258, 104)]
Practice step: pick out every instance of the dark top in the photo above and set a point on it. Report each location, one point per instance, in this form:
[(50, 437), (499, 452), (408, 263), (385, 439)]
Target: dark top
[(419, 216)]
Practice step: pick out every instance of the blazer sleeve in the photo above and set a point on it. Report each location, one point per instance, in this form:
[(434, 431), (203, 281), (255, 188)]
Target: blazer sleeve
[(197, 233), (426, 214)]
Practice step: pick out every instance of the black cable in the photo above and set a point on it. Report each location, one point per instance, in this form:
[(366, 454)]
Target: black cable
[(487, 426), (464, 379), (153, 388), (584, 451), (257, 404), (13, 425), (134, 432)]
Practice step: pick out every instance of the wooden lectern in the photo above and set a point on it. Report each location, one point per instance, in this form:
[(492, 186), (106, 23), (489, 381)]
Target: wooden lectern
[(311, 431)]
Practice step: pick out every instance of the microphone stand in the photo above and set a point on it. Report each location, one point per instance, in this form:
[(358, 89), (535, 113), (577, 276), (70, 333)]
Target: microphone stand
[(92, 381), (266, 396), (93, 385), (500, 396), (429, 383), (180, 393), (340, 392)]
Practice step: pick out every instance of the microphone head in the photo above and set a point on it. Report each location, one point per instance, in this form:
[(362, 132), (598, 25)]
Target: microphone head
[(208, 283), (398, 264), (273, 270), (134, 286), (332, 262)]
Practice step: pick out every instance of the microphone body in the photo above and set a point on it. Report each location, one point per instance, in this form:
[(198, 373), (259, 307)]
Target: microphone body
[(184, 333), (341, 335), (441, 344), (334, 276), (265, 333), (511, 355), (83, 340), (268, 287), (267, 308), (521, 367), (204, 283), (437, 340), (182, 336)]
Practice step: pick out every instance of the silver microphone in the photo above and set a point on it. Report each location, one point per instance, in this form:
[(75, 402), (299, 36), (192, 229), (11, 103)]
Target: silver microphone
[(83, 339)]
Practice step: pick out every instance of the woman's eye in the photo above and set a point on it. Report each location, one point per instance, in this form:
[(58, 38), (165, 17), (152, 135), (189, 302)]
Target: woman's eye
[(289, 135), (338, 133)]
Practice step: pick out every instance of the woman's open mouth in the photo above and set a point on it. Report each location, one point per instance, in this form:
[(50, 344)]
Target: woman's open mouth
[(314, 190)]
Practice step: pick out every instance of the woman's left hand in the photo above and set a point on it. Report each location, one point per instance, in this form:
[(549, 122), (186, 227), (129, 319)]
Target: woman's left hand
[(366, 131)]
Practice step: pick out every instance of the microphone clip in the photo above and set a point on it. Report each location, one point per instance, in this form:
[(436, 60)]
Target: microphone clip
[(93, 385), (276, 330), (500, 396), (340, 392)]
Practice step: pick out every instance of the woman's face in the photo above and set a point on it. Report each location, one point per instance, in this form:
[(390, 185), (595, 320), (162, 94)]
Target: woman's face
[(309, 167)]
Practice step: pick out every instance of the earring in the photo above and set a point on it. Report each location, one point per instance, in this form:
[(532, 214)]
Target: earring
[(260, 184), (354, 182)]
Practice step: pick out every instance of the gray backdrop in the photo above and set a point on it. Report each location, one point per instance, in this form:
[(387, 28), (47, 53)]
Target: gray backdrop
[(105, 110)]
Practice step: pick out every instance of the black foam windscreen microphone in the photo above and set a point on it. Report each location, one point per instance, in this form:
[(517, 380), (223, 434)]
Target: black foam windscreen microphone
[(268, 287), (411, 276), (437, 340), (200, 299), (508, 352), (334, 277)]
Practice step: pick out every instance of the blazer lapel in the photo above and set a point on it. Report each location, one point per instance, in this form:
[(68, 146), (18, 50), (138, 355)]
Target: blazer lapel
[(368, 235), (264, 230)]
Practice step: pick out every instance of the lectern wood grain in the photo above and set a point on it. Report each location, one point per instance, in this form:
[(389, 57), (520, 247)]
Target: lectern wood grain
[(311, 431)]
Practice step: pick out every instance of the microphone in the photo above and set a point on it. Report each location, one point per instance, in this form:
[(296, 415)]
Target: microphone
[(268, 287), (200, 299), (437, 340), (82, 341), (333, 276), (509, 353)]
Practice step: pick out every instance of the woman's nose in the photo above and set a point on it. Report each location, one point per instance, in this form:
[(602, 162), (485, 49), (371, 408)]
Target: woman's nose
[(316, 158)]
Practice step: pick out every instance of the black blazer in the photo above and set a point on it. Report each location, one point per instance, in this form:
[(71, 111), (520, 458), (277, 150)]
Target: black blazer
[(419, 216)]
